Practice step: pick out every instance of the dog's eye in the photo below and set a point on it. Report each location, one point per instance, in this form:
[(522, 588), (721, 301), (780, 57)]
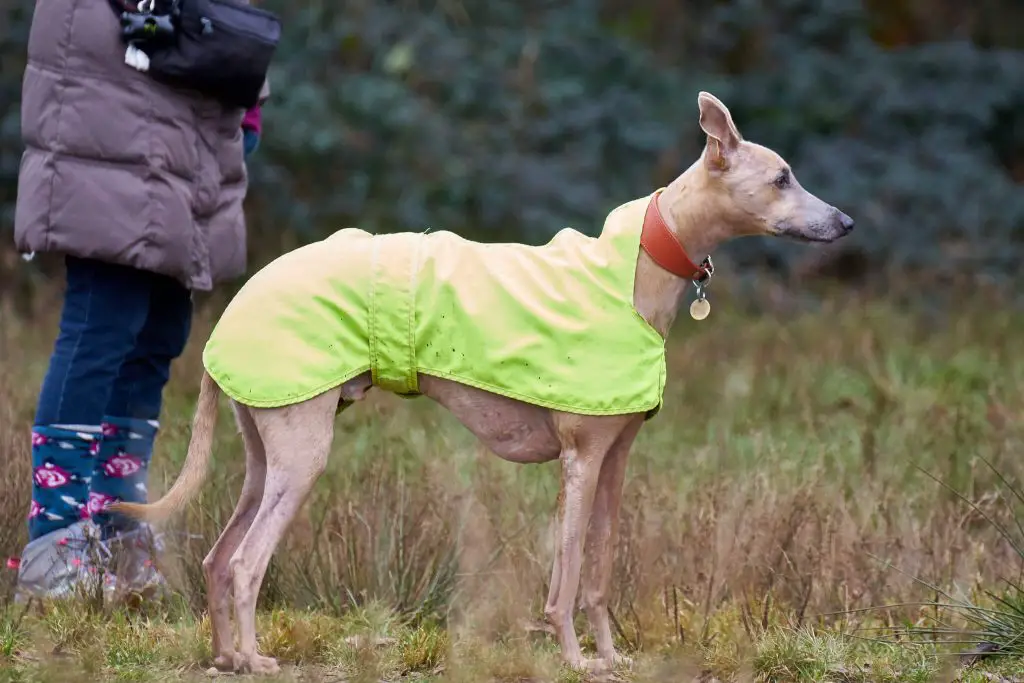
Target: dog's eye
[(782, 180)]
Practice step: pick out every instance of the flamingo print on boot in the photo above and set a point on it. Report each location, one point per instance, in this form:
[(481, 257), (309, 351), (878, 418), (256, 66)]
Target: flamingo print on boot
[(62, 464), (121, 469)]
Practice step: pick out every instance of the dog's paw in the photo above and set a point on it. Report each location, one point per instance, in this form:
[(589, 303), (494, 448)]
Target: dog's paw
[(260, 665), (225, 662), (256, 664)]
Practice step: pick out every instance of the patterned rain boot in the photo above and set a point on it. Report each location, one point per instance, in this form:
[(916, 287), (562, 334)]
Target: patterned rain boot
[(120, 474), (63, 542)]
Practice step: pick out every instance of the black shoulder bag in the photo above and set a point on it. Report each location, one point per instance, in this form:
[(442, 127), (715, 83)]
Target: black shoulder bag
[(219, 48)]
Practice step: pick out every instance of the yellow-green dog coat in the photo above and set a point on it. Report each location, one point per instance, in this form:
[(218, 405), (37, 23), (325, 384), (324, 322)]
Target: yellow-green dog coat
[(552, 325)]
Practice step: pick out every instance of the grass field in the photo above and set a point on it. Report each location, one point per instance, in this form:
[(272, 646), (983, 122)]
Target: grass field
[(789, 483)]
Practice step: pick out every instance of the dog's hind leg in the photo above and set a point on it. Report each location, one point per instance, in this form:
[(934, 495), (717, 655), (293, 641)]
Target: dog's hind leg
[(215, 566), (600, 547), (297, 440)]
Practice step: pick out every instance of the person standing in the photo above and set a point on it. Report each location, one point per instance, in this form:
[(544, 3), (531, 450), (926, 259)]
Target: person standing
[(139, 186)]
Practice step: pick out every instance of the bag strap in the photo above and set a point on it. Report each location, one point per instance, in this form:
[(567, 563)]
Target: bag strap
[(121, 6), (158, 7)]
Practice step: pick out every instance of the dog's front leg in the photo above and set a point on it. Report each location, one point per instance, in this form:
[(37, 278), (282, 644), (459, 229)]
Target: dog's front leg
[(600, 548), (581, 468)]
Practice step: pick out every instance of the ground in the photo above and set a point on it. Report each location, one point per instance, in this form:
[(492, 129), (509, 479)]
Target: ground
[(795, 513)]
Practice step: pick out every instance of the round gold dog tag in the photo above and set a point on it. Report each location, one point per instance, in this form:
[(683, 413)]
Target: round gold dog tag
[(700, 309)]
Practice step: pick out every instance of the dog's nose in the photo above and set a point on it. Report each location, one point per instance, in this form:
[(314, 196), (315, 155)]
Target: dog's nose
[(846, 221)]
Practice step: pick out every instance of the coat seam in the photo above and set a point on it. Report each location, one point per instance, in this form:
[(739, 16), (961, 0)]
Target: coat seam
[(149, 229), (197, 184), (372, 309), (412, 378), (102, 161), (62, 90)]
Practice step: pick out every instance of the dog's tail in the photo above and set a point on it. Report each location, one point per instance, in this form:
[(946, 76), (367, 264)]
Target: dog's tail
[(193, 474)]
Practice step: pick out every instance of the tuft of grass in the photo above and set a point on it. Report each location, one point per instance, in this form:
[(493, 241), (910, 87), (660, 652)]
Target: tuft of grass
[(297, 637), (472, 660), (69, 629), (424, 649), (131, 645), (13, 636), (804, 656)]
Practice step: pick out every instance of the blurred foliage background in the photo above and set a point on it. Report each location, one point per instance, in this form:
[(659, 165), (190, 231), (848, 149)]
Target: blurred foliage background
[(510, 119)]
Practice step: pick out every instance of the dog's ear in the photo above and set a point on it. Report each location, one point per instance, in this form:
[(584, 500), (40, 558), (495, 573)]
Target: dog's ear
[(723, 136)]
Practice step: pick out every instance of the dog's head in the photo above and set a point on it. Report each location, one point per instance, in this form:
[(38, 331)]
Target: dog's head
[(756, 189)]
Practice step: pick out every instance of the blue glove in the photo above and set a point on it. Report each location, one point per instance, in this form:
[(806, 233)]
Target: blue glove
[(250, 140)]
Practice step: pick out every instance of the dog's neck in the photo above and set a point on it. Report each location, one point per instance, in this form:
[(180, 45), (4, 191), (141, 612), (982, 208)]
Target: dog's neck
[(657, 293)]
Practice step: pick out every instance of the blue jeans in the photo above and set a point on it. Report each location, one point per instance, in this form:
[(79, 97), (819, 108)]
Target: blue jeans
[(120, 329)]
